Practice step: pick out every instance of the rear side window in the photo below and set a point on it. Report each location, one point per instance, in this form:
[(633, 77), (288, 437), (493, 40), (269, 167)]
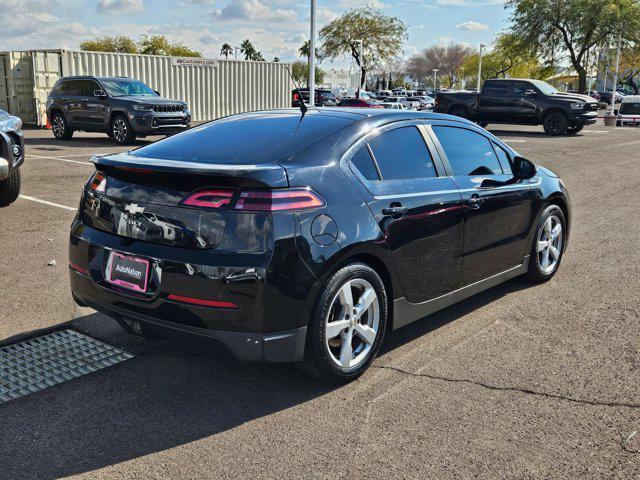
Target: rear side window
[(496, 89), (364, 163), (469, 153), (402, 154)]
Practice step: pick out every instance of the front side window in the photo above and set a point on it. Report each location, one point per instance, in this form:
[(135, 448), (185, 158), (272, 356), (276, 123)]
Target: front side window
[(402, 154), (503, 156), (88, 87), (630, 108), (469, 153), (124, 88), (520, 89)]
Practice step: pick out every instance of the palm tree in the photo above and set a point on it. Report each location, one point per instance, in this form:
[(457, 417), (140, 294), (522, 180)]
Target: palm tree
[(305, 50), (247, 48), (226, 50), (276, 59)]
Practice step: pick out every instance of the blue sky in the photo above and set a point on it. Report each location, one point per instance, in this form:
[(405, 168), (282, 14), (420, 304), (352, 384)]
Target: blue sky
[(277, 27)]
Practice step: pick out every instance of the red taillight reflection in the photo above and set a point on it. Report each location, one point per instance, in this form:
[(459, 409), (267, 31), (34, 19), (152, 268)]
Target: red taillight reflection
[(296, 97), (78, 268), (98, 183), (278, 200), (209, 198)]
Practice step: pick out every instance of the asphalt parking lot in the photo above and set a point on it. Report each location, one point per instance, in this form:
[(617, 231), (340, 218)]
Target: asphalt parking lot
[(522, 381)]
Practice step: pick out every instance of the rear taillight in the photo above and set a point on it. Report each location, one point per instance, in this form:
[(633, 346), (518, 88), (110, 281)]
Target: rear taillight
[(296, 97), (217, 199), (278, 200), (98, 183), (255, 200)]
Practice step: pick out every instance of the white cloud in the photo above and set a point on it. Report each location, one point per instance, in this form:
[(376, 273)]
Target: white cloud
[(119, 6), (255, 10), (471, 25)]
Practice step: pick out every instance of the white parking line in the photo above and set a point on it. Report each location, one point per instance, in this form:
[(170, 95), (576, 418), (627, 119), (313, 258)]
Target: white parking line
[(595, 131), (513, 141), (58, 159), (45, 202)]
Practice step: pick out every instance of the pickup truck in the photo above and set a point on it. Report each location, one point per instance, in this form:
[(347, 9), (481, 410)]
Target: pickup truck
[(523, 102)]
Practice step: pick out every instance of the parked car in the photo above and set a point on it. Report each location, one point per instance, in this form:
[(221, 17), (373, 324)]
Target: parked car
[(606, 96), (406, 103), (312, 250), (324, 98), (522, 102), (11, 157), (123, 108), (629, 112), (358, 103), (393, 106), (426, 103), (382, 94)]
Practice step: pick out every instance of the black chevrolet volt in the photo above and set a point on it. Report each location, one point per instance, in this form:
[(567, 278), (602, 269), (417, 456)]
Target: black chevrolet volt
[(304, 238)]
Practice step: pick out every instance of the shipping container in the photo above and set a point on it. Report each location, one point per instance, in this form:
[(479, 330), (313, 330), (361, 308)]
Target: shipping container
[(213, 88)]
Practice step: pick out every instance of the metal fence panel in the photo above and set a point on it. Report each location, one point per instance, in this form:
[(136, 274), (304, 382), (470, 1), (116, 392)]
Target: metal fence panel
[(4, 100), (46, 72), (18, 69), (214, 89)]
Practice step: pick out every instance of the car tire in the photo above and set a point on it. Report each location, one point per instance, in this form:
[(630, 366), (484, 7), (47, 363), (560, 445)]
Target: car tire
[(573, 129), (459, 112), (555, 123), (543, 262), (121, 130), (10, 188), (60, 127), (327, 357)]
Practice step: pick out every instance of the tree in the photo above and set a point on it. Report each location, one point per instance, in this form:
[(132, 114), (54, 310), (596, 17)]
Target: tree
[(571, 27), (226, 50), (118, 44), (250, 52), (275, 60), (159, 45), (300, 73), (447, 58), (367, 34), (305, 51)]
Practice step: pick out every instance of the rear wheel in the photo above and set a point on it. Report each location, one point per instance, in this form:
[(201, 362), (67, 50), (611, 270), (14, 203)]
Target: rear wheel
[(60, 127), (555, 123), (347, 327), (121, 130), (548, 245), (10, 188)]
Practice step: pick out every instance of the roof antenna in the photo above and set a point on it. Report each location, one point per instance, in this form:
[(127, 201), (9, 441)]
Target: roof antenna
[(303, 106)]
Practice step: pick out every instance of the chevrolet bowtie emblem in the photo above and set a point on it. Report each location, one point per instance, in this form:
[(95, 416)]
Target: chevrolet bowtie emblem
[(134, 209)]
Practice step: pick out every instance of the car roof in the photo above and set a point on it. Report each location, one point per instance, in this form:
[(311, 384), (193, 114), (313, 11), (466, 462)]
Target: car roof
[(91, 77)]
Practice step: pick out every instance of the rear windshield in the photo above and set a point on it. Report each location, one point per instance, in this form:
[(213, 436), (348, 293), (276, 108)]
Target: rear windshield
[(630, 108), (244, 139)]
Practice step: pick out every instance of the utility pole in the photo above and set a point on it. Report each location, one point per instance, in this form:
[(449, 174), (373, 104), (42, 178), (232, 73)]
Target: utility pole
[(235, 52), (615, 77), (312, 56), (435, 83), (361, 42), (480, 67)]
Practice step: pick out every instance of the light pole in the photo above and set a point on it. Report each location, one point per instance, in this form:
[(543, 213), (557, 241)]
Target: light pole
[(615, 77), (480, 67), (235, 52), (312, 56), (435, 83)]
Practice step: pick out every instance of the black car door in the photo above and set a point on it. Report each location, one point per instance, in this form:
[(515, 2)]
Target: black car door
[(494, 101), (523, 103), (72, 99), (94, 109), (497, 218), (417, 207)]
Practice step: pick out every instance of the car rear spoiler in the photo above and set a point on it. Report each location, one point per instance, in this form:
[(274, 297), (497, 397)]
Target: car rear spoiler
[(268, 174)]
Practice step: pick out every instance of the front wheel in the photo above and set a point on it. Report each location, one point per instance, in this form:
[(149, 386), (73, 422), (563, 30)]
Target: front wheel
[(347, 327), (10, 188), (555, 123), (60, 127), (121, 130), (573, 129), (548, 245)]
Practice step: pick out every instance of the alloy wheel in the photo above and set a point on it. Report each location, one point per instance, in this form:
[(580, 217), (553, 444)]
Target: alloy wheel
[(57, 125), (120, 130), (352, 323), (550, 244)]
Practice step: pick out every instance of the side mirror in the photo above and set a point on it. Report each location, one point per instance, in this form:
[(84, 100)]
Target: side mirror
[(530, 93), (157, 93), (523, 169), (99, 93)]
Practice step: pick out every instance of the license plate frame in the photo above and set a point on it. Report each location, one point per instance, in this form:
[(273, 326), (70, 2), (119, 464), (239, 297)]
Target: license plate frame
[(126, 277)]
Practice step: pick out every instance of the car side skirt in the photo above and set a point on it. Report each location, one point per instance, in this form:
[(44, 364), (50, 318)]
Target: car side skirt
[(405, 312)]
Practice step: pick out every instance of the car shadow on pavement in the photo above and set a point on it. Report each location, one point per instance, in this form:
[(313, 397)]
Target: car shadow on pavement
[(522, 133), (170, 394)]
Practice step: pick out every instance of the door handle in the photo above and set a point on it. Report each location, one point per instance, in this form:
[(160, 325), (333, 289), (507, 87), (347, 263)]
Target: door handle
[(394, 210), (475, 201)]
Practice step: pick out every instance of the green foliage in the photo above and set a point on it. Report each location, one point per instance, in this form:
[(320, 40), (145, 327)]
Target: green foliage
[(226, 50), (570, 27), (117, 44), (159, 45), (250, 52), (367, 34), (300, 73)]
